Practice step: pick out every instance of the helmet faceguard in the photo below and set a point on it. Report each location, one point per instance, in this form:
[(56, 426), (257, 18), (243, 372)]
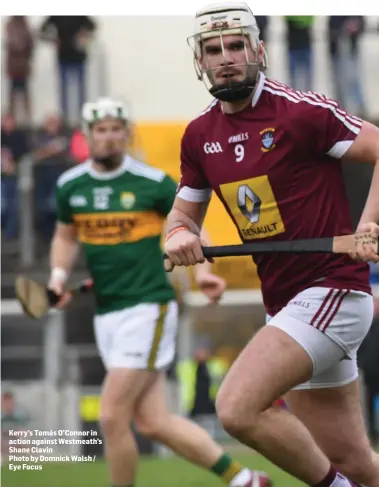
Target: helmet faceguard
[(218, 21)]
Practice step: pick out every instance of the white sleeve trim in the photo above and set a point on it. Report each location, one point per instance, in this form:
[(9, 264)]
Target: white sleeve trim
[(195, 195), (340, 148)]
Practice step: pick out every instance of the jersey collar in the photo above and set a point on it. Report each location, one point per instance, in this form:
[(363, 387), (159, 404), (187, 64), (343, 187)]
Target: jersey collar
[(259, 89), (111, 174), (257, 92)]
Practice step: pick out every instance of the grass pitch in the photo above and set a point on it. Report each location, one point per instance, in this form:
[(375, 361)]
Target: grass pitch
[(153, 472)]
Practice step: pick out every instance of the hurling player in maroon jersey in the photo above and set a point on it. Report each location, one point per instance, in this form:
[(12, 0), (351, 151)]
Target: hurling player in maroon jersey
[(273, 156)]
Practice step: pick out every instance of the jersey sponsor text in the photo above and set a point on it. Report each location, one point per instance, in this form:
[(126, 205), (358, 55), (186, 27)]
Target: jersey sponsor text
[(117, 227)]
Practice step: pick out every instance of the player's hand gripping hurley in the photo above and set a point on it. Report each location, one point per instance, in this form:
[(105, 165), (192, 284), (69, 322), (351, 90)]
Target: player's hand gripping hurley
[(345, 244), (36, 300)]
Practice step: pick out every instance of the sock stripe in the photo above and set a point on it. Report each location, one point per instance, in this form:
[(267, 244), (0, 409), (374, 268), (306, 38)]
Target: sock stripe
[(233, 469)]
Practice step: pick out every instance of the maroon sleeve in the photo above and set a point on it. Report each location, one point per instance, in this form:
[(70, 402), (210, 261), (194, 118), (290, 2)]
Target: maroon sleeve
[(323, 126), (193, 185)]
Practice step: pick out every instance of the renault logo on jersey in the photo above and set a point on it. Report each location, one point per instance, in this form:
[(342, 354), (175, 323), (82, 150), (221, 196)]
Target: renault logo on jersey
[(267, 139), (127, 200), (212, 147), (254, 207)]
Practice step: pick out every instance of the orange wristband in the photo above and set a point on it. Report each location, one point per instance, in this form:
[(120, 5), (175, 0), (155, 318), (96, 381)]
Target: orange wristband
[(175, 230)]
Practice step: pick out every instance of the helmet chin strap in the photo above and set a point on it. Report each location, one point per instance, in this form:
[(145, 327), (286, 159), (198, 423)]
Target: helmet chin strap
[(234, 91)]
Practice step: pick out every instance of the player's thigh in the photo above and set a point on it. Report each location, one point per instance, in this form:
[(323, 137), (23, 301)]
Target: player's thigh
[(334, 417), (270, 365), (151, 409), (139, 337), (121, 390)]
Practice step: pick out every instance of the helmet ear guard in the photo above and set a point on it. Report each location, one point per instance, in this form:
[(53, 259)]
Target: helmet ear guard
[(218, 20)]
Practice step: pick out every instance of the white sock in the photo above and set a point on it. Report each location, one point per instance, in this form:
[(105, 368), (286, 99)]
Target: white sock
[(242, 478)]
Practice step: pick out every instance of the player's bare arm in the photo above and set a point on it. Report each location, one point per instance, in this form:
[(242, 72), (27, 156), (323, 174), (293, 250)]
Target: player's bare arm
[(63, 252), (188, 213), (212, 285), (183, 241), (183, 244), (365, 148)]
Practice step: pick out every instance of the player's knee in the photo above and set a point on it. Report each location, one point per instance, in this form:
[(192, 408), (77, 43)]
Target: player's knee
[(151, 426), (358, 464), (224, 411), (112, 423), (233, 420)]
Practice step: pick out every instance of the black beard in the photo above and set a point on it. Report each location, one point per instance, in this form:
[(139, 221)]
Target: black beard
[(234, 90), (109, 162)]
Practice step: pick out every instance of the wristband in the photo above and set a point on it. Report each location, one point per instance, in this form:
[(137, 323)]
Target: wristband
[(59, 274), (175, 230)]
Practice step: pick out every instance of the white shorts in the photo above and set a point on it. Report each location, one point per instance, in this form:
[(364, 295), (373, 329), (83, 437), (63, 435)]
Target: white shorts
[(330, 324), (140, 337)]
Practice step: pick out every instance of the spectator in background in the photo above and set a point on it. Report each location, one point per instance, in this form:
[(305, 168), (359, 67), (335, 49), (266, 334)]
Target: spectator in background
[(14, 145), (300, 57), (19, 51), (72, 35), (79, 148), (345, 33), (51, 151), (200, 378), (262, 21)]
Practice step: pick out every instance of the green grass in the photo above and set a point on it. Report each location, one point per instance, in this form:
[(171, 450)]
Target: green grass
[(153, 472)]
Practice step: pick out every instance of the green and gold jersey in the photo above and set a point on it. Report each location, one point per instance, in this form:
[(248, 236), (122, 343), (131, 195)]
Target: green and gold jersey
[(119, 217)]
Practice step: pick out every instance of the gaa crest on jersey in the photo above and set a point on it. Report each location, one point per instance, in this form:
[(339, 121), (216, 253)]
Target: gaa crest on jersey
[(127, 200), (268, 139)]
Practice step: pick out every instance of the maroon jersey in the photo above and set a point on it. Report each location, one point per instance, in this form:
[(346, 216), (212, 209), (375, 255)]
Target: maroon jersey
[(276, 168)]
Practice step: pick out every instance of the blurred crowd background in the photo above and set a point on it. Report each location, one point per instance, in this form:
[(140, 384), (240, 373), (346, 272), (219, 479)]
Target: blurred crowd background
[(57, 366)]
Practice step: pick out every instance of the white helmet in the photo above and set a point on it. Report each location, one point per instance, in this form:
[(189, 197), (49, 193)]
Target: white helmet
[(101, 109), (218, 20)]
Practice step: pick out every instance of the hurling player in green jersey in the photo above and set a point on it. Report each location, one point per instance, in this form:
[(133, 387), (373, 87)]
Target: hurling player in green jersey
[(115, 206)]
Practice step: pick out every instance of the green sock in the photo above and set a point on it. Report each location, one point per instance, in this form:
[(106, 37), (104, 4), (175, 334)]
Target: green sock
[(226, 468)]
